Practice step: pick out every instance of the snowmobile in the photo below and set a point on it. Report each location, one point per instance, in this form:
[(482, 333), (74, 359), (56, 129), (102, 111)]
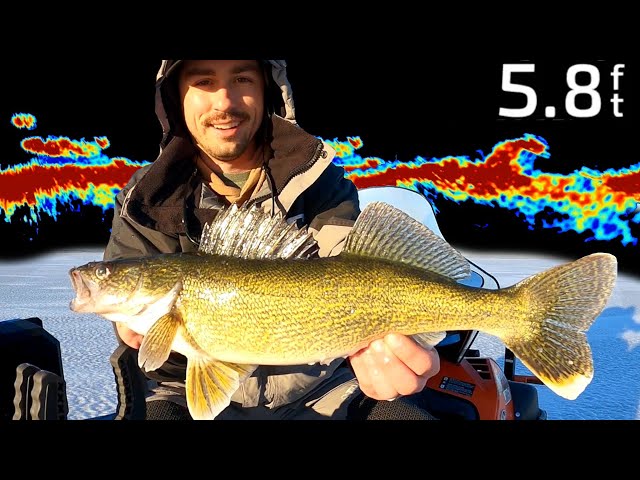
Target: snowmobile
[(468, 386)]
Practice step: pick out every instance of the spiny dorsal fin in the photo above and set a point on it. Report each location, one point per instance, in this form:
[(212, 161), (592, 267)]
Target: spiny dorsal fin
[(384, 231), (250, 232)]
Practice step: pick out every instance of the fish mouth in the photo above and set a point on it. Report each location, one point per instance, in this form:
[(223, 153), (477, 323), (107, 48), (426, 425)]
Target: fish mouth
[(82, 289)]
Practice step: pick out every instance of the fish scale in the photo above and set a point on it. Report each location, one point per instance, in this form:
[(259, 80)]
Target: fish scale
[(277, 322)]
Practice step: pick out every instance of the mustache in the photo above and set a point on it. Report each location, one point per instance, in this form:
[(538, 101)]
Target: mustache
[(231, 116)]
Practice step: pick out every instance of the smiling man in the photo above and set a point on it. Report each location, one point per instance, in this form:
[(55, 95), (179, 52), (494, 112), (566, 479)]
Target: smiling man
[(230, 137), (223, 110)]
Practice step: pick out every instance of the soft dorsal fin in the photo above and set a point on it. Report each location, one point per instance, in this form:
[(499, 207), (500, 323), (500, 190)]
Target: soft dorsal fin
[(384, 231), (250, 232)]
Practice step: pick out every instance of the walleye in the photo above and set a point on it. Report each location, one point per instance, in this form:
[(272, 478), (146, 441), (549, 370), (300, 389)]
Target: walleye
[(255, 294)]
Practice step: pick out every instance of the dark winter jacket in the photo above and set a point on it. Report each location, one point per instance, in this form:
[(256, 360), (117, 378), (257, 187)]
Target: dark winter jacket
[(165, 204)]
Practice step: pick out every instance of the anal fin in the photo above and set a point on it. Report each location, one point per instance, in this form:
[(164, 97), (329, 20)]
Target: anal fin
[(429, 340)]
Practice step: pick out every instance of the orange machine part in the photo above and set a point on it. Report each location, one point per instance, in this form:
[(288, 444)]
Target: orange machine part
[(479, 381)]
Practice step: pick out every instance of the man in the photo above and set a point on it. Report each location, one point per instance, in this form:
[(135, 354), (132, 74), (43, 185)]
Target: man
[(230, 136)]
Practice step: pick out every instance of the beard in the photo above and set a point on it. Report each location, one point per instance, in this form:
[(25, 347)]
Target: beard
[(226, 149)]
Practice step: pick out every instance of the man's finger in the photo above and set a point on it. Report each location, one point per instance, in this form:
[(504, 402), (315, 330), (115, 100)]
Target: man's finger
[(425, 363), (371, 372), (362, 371), (399, 377)]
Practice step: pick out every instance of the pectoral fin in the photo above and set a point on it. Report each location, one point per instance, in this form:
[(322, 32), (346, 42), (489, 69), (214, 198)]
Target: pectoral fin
[(156, 345), (210, 385)]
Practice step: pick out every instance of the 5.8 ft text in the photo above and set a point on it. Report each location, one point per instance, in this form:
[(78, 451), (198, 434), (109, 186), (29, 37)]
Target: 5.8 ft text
[(576, 90)]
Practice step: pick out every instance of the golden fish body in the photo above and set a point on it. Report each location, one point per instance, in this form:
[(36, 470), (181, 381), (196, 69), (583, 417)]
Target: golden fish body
[(286, 312), (230, 313)]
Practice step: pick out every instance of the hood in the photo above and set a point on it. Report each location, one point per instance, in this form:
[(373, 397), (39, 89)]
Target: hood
[(277, 95)]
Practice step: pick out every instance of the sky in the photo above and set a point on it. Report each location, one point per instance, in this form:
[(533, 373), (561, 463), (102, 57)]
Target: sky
[(39, 286)]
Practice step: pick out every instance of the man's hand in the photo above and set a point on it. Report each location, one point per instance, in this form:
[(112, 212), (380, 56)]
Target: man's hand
[(393, 366), (128, 336)]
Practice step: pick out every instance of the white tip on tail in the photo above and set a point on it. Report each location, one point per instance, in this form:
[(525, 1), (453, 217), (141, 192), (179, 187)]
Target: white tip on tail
[(571, 388)]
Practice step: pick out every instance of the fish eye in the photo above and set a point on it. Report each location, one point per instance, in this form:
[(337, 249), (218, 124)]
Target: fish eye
[(102, 272)]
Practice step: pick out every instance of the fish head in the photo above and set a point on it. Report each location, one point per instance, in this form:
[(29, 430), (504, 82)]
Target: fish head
[(118, 289)]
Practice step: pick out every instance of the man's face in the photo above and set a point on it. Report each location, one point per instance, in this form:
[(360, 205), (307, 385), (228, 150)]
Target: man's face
[(223, 104)]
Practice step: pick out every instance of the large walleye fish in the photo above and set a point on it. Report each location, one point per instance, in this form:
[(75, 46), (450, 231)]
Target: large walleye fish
[(254, 294)]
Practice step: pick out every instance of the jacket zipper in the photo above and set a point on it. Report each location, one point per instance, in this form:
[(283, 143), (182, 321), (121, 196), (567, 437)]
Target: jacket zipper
[(320, 151)]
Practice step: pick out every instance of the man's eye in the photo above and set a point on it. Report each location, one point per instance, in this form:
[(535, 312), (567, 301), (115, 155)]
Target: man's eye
[(102, 272)]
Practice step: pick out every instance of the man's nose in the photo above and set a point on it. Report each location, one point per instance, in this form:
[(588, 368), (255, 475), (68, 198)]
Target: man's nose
[(223, 99)]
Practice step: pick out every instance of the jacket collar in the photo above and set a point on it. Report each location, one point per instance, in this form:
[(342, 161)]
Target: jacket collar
[(171, 184)]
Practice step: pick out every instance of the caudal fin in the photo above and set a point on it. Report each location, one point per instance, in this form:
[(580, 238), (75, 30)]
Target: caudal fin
[(563, 303)]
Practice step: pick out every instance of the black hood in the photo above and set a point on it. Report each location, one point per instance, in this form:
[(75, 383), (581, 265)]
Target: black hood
[(278, 97)]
